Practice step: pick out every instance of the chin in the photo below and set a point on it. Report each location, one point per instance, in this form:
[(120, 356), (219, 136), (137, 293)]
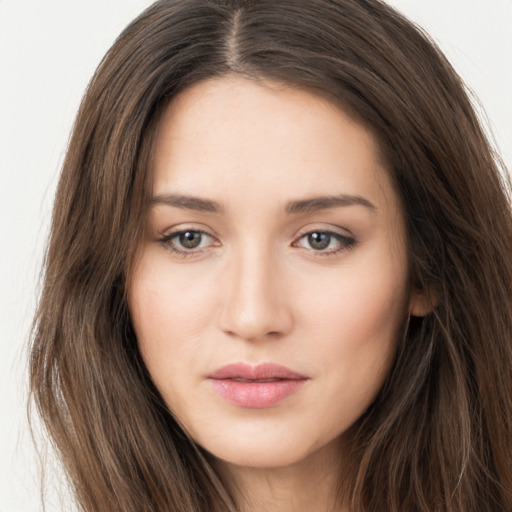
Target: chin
[(263, 449)]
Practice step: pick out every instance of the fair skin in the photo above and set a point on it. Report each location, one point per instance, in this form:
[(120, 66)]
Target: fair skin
[(262, 271)]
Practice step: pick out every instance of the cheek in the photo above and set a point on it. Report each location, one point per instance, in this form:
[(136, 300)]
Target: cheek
[(170, 311), (361, 301), (163, 296), (356, 322), (168, 306)]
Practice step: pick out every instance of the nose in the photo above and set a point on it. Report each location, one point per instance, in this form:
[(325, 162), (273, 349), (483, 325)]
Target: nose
[(256, 302)]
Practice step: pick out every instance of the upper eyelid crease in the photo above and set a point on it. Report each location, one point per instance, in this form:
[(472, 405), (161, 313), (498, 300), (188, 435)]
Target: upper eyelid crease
[(178, 232)]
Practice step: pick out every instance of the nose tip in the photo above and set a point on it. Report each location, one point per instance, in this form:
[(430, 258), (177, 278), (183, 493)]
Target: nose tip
[(255, 305), (245, 323)]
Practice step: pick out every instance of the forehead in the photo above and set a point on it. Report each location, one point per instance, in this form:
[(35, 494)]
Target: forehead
[(230, 133)]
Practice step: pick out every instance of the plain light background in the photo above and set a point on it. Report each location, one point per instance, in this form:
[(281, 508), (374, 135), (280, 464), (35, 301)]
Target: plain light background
[(48, 52)]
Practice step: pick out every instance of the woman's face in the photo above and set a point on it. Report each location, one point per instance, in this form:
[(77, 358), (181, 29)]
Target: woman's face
[(272, 287)]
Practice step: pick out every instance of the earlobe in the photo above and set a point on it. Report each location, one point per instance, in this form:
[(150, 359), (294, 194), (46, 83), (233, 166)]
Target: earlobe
[(422, 302)]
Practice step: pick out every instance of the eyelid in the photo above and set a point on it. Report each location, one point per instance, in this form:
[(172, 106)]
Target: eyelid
[(174, 234), (166, 240), (347, 241), (325, 228)]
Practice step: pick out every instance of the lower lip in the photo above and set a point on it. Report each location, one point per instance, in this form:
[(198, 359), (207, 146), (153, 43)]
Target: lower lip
[(256, 395)]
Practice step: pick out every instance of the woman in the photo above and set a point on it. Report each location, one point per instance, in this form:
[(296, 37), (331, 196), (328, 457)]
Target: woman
[(278, 275)]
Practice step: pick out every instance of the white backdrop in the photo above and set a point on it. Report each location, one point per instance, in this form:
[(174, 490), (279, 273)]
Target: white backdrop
[(48, 51)]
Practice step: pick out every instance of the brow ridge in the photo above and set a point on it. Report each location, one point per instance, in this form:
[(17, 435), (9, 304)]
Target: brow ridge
[(307, 205), (187, 202), (325, 202)]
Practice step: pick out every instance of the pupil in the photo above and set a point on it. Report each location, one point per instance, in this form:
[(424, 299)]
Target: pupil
[(319, 241), (190, 239)]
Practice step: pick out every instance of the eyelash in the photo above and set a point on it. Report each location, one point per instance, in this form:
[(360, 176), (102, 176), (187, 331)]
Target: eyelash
[(167, 242), (347, 243)]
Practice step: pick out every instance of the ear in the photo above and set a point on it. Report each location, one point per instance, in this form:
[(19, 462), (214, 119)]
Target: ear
[(422, 301)]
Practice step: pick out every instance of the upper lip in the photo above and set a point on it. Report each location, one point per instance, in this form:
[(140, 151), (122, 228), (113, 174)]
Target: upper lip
[(260, 371)]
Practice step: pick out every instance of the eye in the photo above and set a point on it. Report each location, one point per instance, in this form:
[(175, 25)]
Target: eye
[(187, 241), (327, 242)]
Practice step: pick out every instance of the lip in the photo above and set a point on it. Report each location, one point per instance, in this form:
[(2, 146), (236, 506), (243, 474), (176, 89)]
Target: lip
[(256, 387)]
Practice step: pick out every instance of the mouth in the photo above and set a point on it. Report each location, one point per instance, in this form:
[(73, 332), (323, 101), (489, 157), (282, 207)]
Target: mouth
[(239, 379), (256, 387)]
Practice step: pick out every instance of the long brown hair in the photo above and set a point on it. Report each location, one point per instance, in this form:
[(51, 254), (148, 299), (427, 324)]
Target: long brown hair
[(439, 435)]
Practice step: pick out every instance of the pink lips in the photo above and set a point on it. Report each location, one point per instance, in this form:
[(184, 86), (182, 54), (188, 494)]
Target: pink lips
[(255, 387)]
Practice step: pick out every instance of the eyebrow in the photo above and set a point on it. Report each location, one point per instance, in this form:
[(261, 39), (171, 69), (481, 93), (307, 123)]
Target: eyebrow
[(314, 204), (188, 203), (308, 205)]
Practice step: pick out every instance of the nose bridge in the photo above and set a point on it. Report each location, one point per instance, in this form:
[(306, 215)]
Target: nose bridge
[(255, 302)]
